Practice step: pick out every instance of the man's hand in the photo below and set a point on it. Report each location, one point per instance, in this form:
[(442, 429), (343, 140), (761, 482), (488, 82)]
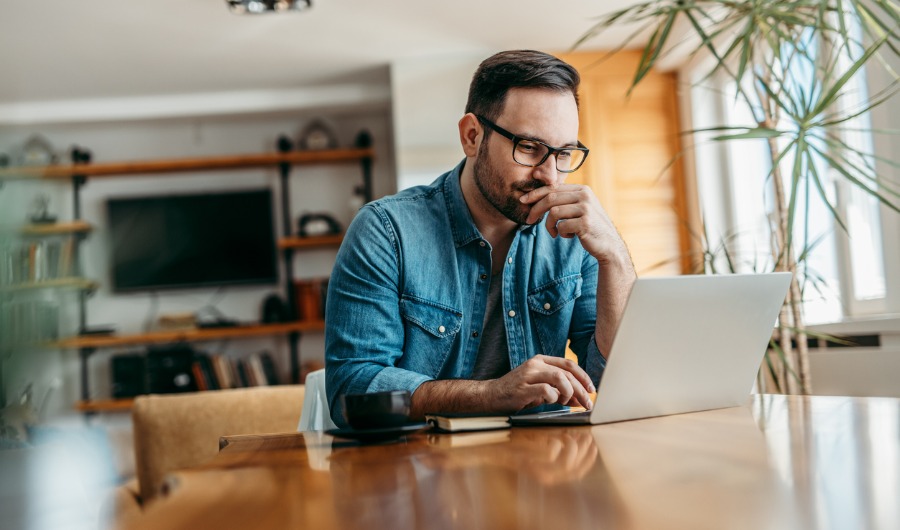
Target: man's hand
[(575, 211), (542, 380)]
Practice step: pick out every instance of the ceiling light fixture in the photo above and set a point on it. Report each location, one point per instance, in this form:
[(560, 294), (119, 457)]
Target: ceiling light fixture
[(255, 7)]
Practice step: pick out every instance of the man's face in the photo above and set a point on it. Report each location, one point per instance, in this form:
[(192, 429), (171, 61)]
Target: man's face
[(539, 114)]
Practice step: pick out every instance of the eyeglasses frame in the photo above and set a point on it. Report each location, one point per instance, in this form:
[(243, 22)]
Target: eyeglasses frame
[(550, 149)]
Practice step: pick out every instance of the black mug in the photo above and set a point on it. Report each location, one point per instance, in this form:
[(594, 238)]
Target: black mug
[(379, 410)]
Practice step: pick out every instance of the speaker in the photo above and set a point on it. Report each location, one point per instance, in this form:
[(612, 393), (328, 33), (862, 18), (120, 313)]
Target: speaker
[(129, 375), (274, 309), (170, 370)]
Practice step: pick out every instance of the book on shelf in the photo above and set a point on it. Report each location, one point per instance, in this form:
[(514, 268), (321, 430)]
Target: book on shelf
[(256, 368), (181, 369), (209, 375), (67, 258), (35, 258), (269, 369), (37, 261), (199, 378), (235, 375), (52, 256), (243, 377), (222, 369), (451, 422)]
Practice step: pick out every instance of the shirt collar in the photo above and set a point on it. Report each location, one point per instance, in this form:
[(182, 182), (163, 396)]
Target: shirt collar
[(461, 222)]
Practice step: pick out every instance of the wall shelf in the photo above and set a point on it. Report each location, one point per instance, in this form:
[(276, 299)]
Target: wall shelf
[(188, 335), (105, 405), (72, 227), (79, 284), (120, 169), (296, 242), (48, 229)]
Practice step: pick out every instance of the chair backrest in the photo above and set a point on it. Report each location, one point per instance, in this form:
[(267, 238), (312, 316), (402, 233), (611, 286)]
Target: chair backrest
[(315, 415), (182, 430)]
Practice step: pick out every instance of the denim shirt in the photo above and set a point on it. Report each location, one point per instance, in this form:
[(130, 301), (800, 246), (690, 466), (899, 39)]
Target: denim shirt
[(407, 295)]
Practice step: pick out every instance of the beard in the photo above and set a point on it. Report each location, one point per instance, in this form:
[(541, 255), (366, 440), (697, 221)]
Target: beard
[(490, 183)]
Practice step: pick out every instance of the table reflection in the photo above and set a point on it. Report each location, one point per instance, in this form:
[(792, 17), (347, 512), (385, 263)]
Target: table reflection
[(447, 483), (780, 462), (839, 458)]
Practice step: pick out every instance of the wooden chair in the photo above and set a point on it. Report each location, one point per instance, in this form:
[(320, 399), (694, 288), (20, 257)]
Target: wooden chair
[(182, 430)]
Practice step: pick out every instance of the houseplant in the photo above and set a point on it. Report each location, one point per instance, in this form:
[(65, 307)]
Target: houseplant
[(791, 62)]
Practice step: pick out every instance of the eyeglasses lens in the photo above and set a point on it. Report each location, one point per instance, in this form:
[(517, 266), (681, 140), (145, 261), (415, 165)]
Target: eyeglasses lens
[(530, 153)]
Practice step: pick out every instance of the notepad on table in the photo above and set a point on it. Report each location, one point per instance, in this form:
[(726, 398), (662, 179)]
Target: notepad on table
[(466, 422)]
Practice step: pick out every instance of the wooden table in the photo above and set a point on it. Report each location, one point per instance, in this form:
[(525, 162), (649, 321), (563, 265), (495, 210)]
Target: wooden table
[(780, 462)]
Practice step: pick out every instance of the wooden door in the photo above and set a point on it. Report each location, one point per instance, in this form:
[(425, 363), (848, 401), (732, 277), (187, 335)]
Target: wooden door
[(632, 140)]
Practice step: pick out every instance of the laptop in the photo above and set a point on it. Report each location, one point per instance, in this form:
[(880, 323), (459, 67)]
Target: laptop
[(685, 344)]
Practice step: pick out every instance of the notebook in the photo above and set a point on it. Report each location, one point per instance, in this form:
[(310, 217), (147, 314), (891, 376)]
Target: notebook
[(685, 344)]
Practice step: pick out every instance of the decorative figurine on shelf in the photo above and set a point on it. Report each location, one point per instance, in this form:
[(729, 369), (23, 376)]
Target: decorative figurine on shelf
[(41, 212), (37, 151), (284, 144), (363, 139), (79, 155), (275, 309), (318, 224), (318, 135)]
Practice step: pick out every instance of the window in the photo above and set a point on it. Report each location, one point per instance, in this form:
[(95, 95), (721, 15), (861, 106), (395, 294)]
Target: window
[(846, 272)]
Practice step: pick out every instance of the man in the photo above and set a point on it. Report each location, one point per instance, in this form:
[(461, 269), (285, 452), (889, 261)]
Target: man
[(465, 292)]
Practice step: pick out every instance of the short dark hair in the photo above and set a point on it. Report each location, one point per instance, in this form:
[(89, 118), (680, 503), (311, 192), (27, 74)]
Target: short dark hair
[(497, 74)]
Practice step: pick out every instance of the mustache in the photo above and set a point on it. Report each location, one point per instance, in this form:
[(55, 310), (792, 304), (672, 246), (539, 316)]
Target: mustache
[(530, 186)]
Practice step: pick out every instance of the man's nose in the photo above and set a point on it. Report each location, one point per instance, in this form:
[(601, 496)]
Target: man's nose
[(547, 173)]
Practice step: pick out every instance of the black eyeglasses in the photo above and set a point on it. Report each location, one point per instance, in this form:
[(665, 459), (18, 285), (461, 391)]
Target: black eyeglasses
[(532, 153)]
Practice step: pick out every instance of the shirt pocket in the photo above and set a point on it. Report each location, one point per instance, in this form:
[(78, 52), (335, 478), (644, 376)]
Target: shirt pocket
[(551, 307), (430, 330)]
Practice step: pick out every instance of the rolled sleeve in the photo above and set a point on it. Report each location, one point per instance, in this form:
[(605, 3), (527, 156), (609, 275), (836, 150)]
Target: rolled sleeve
[(391, 378), (364, 331)]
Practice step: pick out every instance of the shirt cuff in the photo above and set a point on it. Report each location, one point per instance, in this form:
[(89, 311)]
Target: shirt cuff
[(596, 363), (391, 378)]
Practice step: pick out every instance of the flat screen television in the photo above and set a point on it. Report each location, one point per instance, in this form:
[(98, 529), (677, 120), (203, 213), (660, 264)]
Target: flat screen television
[(183, 241)]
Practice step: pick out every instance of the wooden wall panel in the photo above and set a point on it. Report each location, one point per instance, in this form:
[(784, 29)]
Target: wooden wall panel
[(632, 139)]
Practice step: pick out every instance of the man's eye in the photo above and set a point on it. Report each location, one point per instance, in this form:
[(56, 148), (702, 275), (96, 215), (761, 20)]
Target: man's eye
[(564, 155), (527, 147)]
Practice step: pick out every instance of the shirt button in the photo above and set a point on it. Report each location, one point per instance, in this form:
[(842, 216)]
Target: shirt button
[(547, 305), (481, 243), (441, 329), (474, 333), (509, 260), (484, 276), (512, 313)]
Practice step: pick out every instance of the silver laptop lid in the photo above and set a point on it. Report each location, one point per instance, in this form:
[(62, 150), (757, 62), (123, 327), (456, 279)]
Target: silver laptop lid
[(689, 343)]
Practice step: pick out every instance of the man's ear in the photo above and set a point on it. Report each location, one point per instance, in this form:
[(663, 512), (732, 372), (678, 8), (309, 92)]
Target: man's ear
[(470, 132)]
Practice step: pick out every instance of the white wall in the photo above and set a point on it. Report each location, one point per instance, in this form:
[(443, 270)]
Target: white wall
[(313, 189), (858, 371), (887, 144), (429, 97)]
